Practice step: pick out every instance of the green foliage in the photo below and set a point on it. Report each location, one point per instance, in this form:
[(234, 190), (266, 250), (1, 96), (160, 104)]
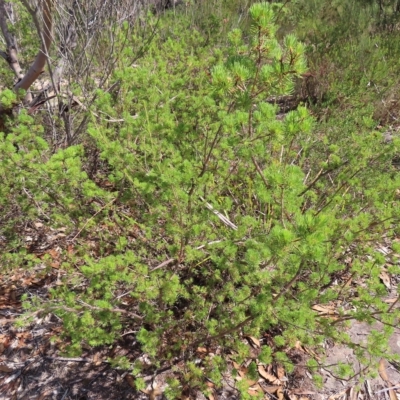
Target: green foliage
[(352, 50), (217, 219), (7, 98), (173, 390)]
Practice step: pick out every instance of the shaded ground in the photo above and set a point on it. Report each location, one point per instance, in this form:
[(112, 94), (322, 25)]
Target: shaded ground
[(336, 388), (32, 367)]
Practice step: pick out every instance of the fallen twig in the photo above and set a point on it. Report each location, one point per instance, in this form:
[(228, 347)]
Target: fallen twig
[(163, 264), (225, 220), (73, 359)]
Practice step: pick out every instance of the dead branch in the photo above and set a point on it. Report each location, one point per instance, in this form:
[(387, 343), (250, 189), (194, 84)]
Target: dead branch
[(45, 35)]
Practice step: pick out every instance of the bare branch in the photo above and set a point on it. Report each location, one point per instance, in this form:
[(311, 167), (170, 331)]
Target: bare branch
[(86, 51), (45, 35)]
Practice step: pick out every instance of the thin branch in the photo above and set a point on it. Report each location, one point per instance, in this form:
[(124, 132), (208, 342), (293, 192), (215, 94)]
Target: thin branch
[(224, 332), (393, 304), (319, 175), (91, 218), (290, 283), (260, 172), (115, 310)]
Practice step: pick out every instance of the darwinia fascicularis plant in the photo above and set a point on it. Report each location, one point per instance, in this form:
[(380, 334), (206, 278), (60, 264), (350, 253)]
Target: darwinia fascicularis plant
[(219, 219)]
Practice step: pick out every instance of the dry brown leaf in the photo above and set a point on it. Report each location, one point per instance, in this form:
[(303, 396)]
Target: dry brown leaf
[(242, 371), (4, 368), (270, 389), (253, 341), (312, 353), (152, 392), (383, 374), (236, 365), (44, 394), (252, 392), (53, 253), (348, 282), (13, 294), (329, 310), (269, 377), (337, 395), (390, 301), (97, 359), (299, 346), (352, 394), (202, 350), (130, 379), (382, 370), (385, 278), (251, 382), (280, 394), (280, 372), (256, 386)]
